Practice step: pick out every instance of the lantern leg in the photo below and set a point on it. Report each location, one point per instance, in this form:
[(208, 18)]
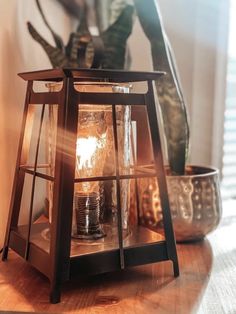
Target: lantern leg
[(175, 267), (5, 253), (19, 177), (55, 294), (161, 178), (63, 191)]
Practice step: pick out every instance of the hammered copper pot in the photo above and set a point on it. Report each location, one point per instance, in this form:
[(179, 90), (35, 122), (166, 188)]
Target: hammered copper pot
[(195, 203)]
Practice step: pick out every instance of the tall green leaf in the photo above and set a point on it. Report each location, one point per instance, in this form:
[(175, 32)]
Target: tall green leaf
[(169, 91), (115, 39), (108, 11), (56, 56)]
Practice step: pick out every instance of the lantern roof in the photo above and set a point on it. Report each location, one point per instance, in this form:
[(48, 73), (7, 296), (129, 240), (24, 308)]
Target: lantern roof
[(90, 74)]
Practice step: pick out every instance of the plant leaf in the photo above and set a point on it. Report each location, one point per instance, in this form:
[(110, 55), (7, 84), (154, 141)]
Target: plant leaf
[(78, 41), (56, 37), (56, 56), (108, 11), (116, 8), (115, 38), (169, 90)]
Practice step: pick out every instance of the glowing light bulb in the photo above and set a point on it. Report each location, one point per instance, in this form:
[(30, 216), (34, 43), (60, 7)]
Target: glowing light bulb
[(89, 158), (85, 149)]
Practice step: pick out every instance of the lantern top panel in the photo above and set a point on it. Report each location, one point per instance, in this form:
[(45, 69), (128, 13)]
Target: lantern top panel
[(54, 75)]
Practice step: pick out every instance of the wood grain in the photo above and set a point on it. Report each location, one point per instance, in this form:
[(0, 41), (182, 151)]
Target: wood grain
[(206, 283)]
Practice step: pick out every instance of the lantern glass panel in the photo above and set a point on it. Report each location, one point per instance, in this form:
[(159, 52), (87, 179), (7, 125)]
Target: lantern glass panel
[(40, 128), (25, 201), (39, 223), (32, 212), (31, 135), (34, 157), (150, 207)]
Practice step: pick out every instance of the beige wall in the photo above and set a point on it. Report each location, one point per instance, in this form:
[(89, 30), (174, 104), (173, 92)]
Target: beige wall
[(19, 53)]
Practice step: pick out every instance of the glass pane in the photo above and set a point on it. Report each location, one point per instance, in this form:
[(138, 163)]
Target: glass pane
[(141, 137), (31, 135), (40, 226), (39, 222), (47, 145), (25, 200), (150, 210)]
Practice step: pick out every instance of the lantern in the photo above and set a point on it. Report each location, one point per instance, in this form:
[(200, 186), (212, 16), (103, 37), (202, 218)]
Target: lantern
[(81, 160)]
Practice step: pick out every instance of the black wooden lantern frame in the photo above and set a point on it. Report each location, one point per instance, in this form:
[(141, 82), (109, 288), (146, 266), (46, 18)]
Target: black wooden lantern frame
[(57, 262)]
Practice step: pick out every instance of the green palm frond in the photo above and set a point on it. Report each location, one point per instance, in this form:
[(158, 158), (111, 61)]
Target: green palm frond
[(169, 90)]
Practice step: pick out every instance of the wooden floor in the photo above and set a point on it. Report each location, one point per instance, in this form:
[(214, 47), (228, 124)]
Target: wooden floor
[(207, 283)]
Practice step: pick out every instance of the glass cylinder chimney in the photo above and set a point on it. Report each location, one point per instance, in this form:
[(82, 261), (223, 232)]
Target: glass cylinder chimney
[(94, 204), (91, 150)]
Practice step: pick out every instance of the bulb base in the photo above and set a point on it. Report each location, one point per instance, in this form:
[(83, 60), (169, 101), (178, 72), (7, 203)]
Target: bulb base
[(87, 214)]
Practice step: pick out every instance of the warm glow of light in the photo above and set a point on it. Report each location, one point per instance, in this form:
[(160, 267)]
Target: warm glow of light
[(87, 151)]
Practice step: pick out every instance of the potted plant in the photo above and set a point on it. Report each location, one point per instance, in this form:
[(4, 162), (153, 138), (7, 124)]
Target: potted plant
[(193, 191)]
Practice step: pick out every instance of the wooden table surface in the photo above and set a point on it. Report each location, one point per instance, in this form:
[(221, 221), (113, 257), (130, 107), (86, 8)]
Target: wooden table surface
[(207, 283)]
